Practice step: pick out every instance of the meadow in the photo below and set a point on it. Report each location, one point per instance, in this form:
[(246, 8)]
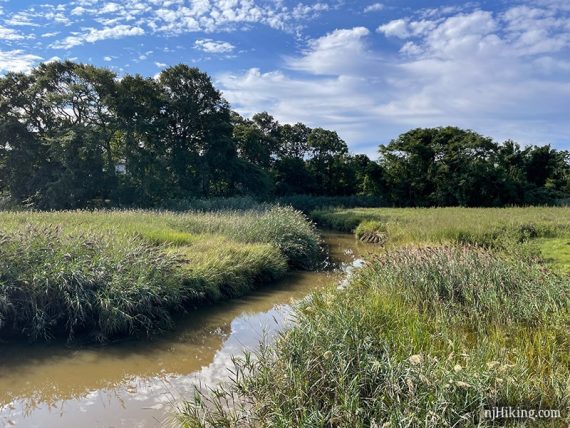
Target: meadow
[(455, 311), (542, 231), (104, 274)]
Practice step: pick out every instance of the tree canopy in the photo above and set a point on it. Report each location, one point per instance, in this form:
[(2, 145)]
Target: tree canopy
[(450, 166), (74, 135)]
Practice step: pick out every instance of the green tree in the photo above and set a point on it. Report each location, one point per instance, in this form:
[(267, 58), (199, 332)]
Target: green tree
[(441, 166), (198, 135), (141, 150), (328, 161), (58, 112)]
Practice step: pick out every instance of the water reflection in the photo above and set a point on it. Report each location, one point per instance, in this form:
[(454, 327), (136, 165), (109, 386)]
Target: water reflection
[(135, 383)]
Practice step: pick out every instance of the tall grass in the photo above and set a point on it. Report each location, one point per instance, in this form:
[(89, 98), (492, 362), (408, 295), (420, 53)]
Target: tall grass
[(407, 225), (419, 338), (109, 273), (51, 283), (542, 231)]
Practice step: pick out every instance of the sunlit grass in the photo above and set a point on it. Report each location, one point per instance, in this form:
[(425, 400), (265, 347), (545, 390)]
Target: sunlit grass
[(543, 232), (556, 252), (462, 309), (110, 273), (394, 348)]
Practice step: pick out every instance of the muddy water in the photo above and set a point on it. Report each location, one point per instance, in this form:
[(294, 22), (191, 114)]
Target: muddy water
[(138, 383)]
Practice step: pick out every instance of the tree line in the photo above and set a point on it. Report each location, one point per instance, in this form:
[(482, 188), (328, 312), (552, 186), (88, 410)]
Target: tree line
[(74, 135)]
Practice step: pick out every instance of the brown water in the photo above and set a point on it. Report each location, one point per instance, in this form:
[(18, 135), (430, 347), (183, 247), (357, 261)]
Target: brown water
[(138, 383)]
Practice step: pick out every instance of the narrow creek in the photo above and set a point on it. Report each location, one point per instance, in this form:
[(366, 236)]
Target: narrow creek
[(138, 383)]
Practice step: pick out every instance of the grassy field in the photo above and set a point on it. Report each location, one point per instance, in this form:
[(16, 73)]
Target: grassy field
[(545, 232), (110, 273), (459, 311)]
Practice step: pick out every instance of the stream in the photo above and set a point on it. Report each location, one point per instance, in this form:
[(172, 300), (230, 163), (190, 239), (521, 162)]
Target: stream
[(138, 383)]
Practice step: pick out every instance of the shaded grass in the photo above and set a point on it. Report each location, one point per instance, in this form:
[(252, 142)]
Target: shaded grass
[(111, 273), (423, 337)]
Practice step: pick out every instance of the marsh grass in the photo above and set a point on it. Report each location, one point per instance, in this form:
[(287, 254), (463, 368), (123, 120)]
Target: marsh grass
[(543, 232), (423, 336), (112, 273)]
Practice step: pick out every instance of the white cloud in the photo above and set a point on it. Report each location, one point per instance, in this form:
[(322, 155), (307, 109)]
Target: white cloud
[(214, 46), (10, 34), (395, 28), (504, 74), (109, 8), (328, 54), (93, 35), (175, 17), (17, 61), (170, 17), (108, 58), (375, 7), (53, 59), (78, 11), (303, 11)]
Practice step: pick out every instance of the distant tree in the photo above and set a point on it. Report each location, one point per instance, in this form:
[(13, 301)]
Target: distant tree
[(251, 143), (327, 162), (57, 128), (199, 132), (451, 166), (439, 166), (369, 178), (140, 107), (73, 135), (294, 141)]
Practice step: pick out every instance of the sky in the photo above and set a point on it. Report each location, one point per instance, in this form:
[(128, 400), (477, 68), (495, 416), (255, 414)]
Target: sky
[(369, 70)]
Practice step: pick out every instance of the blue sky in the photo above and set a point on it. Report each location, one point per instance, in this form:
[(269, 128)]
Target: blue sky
[(368, 69)]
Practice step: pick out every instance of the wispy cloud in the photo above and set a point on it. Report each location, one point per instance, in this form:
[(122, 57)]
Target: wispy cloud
[(10, 34), (214, 46), (17, 61), (505, 73), (93, 35), (375, 7)]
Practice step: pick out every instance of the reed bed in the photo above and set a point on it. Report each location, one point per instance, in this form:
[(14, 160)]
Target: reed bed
[(432, 331), (541, 231), (105, 274)]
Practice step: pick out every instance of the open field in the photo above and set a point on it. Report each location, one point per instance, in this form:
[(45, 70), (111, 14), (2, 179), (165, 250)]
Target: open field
[(110, 273), (457, 313), (544, 232)]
